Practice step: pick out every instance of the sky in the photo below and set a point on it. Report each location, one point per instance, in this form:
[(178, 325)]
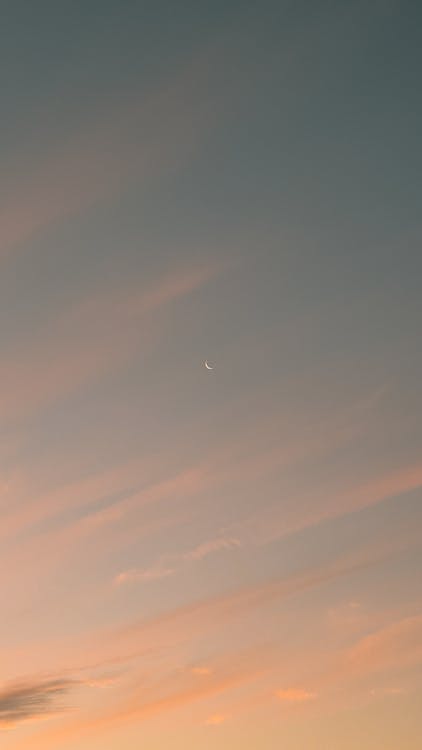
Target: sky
[(226, 558)]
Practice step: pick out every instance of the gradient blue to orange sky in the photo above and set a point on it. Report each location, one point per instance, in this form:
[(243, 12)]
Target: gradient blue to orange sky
[(208, 559)]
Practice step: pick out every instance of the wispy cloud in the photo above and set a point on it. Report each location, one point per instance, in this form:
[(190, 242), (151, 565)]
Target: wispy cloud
[(138, 141), (27, 701), (382, 656), (215, 720), (271, 523), (174, 287), (202, 671), (99, 335), (295, 695), (170, 564), (148, 574), (348, 618), (143, 507), (211, 546), (381, 691), (198, 618), (394, 645), (193, 623), (165, 696)]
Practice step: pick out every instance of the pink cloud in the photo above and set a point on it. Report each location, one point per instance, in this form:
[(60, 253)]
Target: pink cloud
[(100, 335), (393, 646), (210, 547), (137, 142), (145, 575)]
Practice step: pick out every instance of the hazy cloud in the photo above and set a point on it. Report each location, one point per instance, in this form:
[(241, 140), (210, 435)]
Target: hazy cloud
[(215, 720), (148, 574), (295, 695), (30, 700), (213, 545)]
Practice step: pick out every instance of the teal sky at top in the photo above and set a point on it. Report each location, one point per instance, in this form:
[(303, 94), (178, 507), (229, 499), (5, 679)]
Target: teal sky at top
[(311, 175)]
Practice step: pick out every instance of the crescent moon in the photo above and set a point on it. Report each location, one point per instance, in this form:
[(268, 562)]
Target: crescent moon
[(207, 365)]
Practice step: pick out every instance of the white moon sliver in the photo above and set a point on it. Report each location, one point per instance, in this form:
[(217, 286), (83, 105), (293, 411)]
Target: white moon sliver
[(207, 365)]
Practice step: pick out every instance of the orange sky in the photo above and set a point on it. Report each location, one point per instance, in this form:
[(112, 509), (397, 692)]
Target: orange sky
[(228, 558)]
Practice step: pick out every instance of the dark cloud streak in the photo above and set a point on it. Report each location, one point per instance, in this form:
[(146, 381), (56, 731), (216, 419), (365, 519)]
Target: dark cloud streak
[(24, 701)]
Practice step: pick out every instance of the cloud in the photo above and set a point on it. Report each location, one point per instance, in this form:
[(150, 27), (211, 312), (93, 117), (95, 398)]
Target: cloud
[(348, 617), (382, 656), (375, 491), (26, 701), (98, 335), (295, 695), (34, 700), (381, 691), (148, 574), (101, 682), (215, 720), (208, 548), (142, 507), (138, 142), (173, 287), (393, 646), (168, 565), (169, 694), (191, 624), (201, 671), (196, 620), (272, 524)]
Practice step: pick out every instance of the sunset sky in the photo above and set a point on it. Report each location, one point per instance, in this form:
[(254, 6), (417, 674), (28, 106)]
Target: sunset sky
[(195, 559)]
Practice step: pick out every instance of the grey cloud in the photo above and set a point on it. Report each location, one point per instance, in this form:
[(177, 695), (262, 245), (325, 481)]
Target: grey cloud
[(29, 700)]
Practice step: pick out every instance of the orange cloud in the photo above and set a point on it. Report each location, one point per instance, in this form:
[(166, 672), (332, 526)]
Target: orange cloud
[(113, 527), (295, 695), (201, 671), (169, 695), (190, 623), (388, 651), (215, 720), (187, 624), (194, 621), (395, 645), (376, 490)]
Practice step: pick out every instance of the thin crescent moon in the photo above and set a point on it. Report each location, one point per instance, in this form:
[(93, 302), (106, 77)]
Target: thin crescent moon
[(207, 365)]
